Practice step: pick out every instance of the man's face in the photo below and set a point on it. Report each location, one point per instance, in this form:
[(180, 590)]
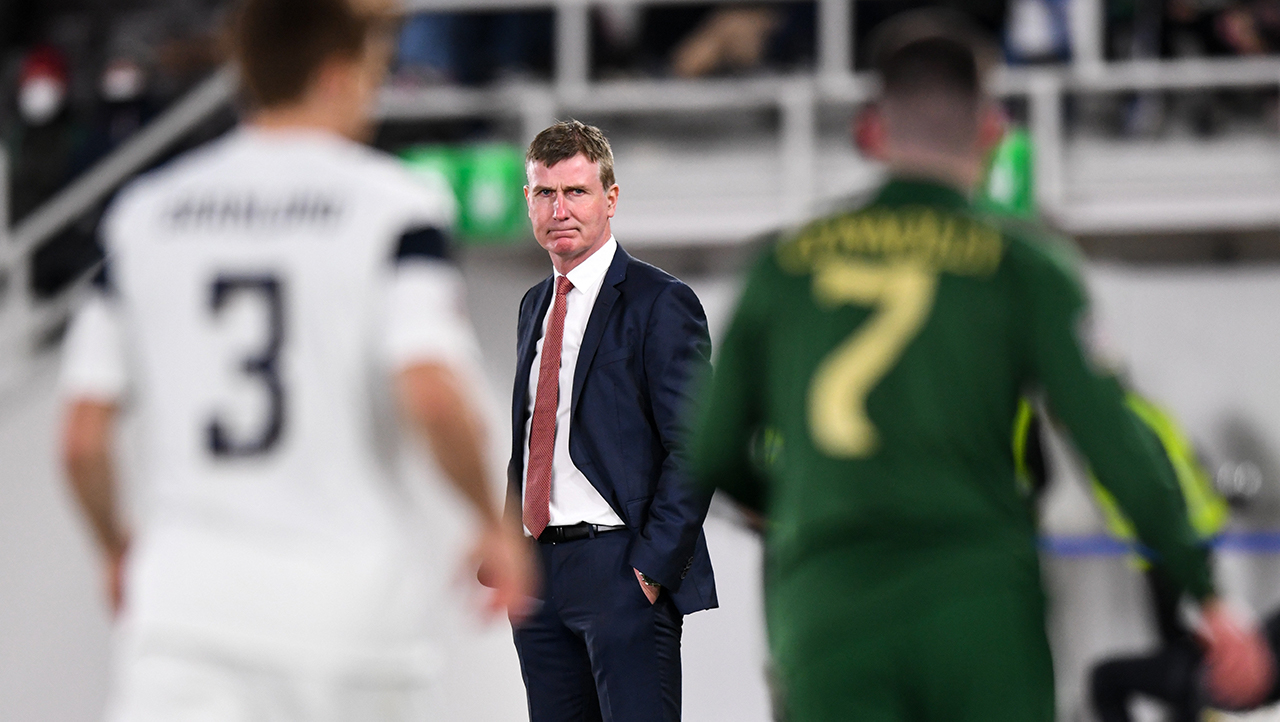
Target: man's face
[(569, 208)]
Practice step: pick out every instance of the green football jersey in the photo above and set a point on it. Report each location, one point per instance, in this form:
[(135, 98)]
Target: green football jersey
[(880, 354)]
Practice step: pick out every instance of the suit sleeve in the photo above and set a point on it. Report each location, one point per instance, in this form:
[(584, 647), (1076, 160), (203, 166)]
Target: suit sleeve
[(730, 409), (1090, 402), (515, 463), (677, 352)]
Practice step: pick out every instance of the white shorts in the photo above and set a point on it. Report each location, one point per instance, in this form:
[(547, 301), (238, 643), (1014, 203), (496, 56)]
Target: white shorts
[(169, 687)]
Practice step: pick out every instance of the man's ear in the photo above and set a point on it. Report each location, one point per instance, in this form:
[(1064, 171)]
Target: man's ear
[(991, 127), (869, 132)]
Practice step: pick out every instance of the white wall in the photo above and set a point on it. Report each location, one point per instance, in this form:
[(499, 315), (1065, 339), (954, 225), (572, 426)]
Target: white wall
[(1202, 341), (53, 631)]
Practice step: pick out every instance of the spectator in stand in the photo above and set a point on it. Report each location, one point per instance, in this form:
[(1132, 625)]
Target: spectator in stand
[(123, 107), (1150, 29), (1037, 31), (43, 143), (1250, 28), (424, 50), (745, 38), (1240, 27), (697, 40), (475, 48), (662, 29), (44, 135)]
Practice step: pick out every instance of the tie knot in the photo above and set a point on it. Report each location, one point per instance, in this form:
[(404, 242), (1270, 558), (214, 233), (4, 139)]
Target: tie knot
[(563, 285)]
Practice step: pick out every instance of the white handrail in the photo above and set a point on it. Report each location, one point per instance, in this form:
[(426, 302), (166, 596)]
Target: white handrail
[(4, 200), (399, 103)]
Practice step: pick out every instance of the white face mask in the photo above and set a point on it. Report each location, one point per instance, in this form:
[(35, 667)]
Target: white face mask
[(122, 81), (40, 99)]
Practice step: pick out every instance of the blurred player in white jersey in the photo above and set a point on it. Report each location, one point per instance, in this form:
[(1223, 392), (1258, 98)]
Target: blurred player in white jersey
[(269, 305)]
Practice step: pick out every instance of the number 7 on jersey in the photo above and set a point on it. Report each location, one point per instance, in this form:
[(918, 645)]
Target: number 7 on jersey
[(903, 294)]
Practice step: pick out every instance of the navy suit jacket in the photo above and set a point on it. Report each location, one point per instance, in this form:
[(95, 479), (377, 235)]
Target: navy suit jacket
[(645, 345)]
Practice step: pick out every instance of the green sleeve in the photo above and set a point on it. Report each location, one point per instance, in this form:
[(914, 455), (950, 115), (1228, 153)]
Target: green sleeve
[(1091, 403), (730, 409)]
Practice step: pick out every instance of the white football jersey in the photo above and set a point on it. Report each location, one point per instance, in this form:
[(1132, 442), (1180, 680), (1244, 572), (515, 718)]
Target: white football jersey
[(258, 296)]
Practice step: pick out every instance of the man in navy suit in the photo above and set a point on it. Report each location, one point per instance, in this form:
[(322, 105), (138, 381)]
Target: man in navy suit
[(607, 350)]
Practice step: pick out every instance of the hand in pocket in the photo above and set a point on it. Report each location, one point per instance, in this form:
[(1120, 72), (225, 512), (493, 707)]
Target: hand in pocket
[(650, 592)]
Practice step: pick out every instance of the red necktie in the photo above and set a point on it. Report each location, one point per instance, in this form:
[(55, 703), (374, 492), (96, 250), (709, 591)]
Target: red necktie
[(542, 432)]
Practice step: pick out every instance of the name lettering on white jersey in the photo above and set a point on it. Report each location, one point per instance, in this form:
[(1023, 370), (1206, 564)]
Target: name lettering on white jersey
[(233, 210)]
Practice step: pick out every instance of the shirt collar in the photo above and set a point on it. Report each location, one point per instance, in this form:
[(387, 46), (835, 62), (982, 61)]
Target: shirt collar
[(906, 190), (296, 135), (590, 273)]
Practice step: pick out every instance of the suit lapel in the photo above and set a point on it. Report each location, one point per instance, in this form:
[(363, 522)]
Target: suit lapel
[(527, 347), (599, 317)]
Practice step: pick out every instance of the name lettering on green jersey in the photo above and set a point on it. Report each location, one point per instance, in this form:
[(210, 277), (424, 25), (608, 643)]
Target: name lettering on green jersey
[(903, 293), (941, 241)]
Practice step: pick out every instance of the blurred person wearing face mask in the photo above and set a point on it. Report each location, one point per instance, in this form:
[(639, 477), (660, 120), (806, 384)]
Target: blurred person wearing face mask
[(42, 93), (44, 136), (124, 106), (123, 90), (43, 143)]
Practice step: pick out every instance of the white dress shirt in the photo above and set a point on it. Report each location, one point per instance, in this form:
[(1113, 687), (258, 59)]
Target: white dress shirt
[(573, 498)]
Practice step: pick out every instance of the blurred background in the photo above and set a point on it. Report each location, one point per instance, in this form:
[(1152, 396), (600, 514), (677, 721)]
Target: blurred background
[(1147, 130)]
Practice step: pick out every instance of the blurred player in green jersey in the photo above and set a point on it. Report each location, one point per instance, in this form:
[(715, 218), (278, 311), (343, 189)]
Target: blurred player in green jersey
[(1169, 673), (885, 349)]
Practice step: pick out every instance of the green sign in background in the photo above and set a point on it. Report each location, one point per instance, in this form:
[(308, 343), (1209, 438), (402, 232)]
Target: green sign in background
[(1010, 185), (488, 181)]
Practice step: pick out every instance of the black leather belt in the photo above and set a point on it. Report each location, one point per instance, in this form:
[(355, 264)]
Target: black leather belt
[(574, 532)]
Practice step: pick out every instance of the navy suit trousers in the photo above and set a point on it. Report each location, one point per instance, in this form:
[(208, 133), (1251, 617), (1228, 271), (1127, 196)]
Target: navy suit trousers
[(596, 650)]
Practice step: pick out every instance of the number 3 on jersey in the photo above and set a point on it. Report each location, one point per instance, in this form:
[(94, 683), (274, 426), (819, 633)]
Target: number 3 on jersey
[(262, 365), (903, 294)]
